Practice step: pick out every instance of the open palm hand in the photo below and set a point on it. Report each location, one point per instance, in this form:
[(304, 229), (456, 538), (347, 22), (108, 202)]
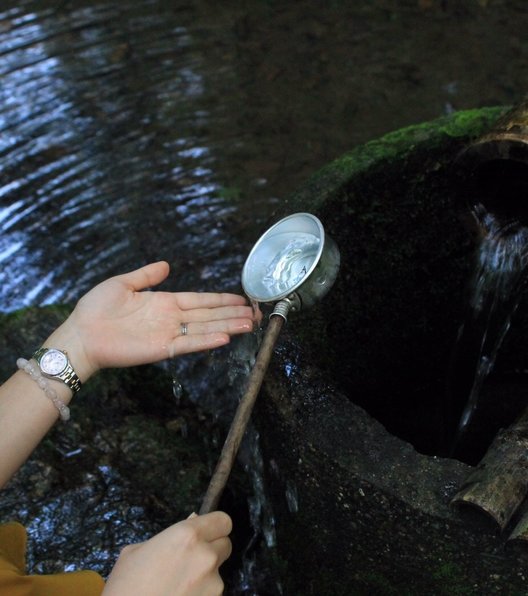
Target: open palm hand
[(120, 323)]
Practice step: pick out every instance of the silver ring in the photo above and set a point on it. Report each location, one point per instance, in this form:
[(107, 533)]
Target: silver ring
[(184, 329)]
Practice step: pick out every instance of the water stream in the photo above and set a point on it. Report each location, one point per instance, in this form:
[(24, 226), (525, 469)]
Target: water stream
[(501, 268), (291, 264)]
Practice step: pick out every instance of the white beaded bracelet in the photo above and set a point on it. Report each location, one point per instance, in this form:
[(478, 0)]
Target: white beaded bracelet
[(42, 382)]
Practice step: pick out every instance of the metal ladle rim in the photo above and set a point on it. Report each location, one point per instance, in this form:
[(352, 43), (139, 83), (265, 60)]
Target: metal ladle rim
[(263, 238)]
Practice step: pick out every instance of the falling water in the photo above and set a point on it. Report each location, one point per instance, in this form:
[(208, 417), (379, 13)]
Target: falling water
[(263, 536), (502, 259)]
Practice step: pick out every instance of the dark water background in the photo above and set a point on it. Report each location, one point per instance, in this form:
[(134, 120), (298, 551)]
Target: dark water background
[(134, 131)]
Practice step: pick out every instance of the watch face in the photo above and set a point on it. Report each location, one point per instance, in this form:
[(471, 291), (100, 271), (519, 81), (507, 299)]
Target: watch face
[(53, 362)]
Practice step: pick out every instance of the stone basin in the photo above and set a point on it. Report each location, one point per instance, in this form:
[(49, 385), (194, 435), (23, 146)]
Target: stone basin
[(352, 413)]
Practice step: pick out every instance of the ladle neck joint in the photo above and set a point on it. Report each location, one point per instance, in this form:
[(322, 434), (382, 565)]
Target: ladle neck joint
[(283, 307)]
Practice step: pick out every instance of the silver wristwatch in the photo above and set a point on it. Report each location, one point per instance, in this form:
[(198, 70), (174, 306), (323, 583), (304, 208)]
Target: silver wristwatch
[(55, 364)]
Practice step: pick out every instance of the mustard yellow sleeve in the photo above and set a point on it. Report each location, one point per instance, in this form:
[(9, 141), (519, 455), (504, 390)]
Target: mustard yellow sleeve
[(15, 582), (13, 542)]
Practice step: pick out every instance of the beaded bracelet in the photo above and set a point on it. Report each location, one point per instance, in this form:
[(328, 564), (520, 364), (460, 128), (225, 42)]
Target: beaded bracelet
[(42, 382)]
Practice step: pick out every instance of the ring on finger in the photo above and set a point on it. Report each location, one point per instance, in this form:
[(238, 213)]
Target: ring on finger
[(184, 329)]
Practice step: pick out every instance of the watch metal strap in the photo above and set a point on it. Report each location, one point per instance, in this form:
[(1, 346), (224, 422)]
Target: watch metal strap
[(68, 376)]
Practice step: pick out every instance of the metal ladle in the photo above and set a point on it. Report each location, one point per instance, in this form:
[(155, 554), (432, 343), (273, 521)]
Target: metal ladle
[(294, 264)]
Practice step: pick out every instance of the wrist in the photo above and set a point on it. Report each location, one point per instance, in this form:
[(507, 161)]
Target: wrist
[(67, 339)]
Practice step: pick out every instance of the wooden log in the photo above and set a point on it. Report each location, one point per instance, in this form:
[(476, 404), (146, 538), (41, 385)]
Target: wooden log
[(519, 534), (499, 483)]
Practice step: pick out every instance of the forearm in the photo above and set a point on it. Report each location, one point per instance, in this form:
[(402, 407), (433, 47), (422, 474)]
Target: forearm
[(26, 413)]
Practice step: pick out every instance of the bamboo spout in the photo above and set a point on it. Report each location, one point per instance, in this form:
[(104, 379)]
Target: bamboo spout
[(499, 483), (495, 166)]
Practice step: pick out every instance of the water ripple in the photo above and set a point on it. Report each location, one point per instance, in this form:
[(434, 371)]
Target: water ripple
[(103, 148)]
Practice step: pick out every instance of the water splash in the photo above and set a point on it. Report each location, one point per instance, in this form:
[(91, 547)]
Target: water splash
[(292, 497), (177, 390), (177, 386), (502, 260), (261, 518)]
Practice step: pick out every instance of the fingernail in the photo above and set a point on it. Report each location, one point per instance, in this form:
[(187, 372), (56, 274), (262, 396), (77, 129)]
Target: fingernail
[(193, 514)]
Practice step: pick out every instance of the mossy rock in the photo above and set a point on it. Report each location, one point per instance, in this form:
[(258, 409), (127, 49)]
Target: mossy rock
[(371, 515)]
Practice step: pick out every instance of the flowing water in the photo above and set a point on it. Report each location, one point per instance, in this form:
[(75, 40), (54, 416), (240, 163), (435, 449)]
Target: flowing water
[(501, 268), (291, 264)]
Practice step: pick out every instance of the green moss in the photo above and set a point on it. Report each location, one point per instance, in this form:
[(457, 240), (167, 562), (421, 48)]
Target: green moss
[(394, 146), (468, 124), (471, 123), (20, 320), (230, 193), (54, 311), (451, 580)]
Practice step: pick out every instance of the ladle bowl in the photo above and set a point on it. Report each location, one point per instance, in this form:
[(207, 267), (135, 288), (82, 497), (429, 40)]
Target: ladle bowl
[(293, 259)]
